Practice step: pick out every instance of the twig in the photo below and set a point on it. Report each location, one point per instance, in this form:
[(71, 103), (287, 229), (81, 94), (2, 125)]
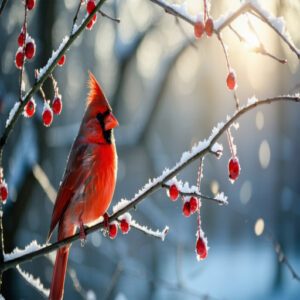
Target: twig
[(103, 14), (152, 188), (76, 15), (195, 194), (114, 280), (4, 2)]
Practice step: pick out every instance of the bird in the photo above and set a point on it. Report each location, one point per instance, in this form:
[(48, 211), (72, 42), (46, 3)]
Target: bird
[(89, 180)]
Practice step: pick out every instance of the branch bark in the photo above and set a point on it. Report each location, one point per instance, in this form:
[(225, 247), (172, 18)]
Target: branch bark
[(151, 188)]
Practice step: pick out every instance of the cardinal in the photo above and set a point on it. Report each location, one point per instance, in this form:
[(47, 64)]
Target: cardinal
[(89, 180)]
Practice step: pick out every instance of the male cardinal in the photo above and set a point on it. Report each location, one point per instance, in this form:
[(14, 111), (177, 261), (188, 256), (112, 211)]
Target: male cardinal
[(89, 181)]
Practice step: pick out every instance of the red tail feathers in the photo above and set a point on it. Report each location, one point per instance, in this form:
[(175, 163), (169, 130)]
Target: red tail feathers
[(59, 274)]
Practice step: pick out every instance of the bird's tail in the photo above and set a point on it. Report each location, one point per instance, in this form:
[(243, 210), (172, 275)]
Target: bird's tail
[(59, 274)]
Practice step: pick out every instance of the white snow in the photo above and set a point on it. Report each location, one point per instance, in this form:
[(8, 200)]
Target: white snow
[(218, 149), (126, 216), (12, 113), (54, 55), (221, 196), (35, 282), (156, 233), (252, 100), (17, 252), (183, 186)]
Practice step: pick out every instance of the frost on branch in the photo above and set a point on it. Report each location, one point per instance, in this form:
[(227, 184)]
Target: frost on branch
[(35, 282), (12, 113), (17, 252)]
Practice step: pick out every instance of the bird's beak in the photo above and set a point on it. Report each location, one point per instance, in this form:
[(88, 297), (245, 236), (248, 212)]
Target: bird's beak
[(110, 122)]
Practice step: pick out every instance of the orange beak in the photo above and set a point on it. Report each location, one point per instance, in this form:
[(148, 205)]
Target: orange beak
[(110, 122)]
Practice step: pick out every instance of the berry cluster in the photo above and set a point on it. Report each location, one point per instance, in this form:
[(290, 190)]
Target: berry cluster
[(124, 224), (190, 206), (90, 6)]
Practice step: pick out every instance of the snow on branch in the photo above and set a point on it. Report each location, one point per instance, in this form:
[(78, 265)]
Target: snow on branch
[(251, 6), (34, 282), (152, 186), (158, 234)]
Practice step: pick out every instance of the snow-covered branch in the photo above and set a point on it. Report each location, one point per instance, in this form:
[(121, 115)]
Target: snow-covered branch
[(251, 6), (198, 151)]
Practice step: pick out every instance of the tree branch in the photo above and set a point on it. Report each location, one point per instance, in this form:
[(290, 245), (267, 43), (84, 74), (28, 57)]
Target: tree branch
[(155, 185)]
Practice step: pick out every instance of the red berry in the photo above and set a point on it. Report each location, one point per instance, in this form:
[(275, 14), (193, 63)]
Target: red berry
[(94, 18), (30, 49), (62, 60), (19, 61), (186, 209), (173, 192), (29, 108), (57, 105), (201, 248), (209, 27), (234, 168), (30, 4), (3, 191), (193, 204), (90, 6), (198, 29), (47, 115), (125, 226), (112, 230), (90, 25), (231, 80), (21, 38)]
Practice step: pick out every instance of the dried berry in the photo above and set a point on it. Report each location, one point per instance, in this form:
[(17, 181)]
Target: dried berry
[(47, 115), (234, 168), (198, 29), (201, 248), (186, 209), (19, 60), (29, 108), (30, 4), (30, 48), (173, 192), (193, 204), (112, 230), (231, 80), (57, 105), (209, 27), (62, 60), (124, 225)]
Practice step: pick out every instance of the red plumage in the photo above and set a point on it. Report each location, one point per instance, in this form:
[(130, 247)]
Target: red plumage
[(89, 181)]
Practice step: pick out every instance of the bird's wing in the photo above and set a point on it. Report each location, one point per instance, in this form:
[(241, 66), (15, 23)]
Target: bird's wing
[(76, 173)]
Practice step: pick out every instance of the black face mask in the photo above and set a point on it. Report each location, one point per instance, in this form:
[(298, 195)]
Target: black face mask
[(107, 134)]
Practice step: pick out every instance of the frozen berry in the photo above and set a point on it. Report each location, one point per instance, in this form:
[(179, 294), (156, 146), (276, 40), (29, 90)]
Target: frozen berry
[(209, 27), (47, 115), (19, 61), (193, 204), (173, 192), (21, 38), (234, 168), (62, 60), (201, 248), (186, 209), (30, 49), (231, 80), (112, 230), (90, 24), (29, 108), (57, 105), (3, 191), (90, 6), (124, 225), (30, 4), (198, 29)]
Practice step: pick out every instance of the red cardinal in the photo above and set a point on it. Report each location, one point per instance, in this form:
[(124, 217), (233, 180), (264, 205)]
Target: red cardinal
[(89, 181)]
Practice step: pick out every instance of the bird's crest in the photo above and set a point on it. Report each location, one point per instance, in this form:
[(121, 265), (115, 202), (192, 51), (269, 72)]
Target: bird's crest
[(96, 94)]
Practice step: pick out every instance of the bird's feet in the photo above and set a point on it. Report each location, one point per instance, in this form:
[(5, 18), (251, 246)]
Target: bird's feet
[(82, 234)]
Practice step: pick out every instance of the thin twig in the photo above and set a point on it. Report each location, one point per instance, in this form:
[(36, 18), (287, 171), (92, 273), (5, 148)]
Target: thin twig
[(4, 2), (103, 14), (150, 190), (76, 15)]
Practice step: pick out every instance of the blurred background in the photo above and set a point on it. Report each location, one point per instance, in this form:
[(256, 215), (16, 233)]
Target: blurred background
[(167, 91)]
